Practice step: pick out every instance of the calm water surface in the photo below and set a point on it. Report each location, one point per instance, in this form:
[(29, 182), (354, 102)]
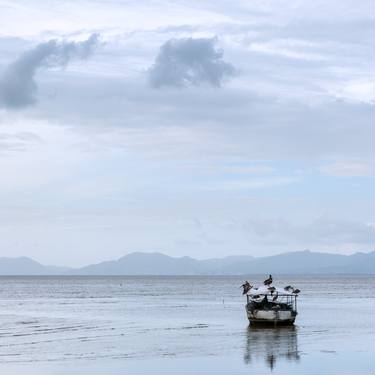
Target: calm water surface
[(169, 325)]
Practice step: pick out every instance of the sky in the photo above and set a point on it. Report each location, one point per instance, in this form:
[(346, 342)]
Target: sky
[(191, 128)]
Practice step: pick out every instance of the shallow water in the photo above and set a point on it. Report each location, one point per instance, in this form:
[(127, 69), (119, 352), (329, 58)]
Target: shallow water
[(68, 325)]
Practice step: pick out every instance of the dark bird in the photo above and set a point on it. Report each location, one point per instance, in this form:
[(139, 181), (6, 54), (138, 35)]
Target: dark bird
[(268, 281), (288, 288), (275, 297), (296, 291), (272, 289), (246, 287)]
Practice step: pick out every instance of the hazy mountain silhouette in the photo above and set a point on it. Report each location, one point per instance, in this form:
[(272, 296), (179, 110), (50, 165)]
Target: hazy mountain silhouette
[(306, 261), (159, 264), (27, 266), (300, 262)]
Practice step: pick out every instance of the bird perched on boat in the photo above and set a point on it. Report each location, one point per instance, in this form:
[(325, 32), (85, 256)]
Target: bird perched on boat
[(268, 281), (272, 289), (288, 288), (275, 297), (246, 287), (296, 291)]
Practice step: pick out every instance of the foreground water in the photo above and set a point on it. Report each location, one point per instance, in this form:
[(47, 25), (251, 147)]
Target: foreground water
[(169, 325)]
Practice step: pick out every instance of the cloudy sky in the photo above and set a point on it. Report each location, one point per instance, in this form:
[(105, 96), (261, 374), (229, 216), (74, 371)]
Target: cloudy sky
[(192, 128)]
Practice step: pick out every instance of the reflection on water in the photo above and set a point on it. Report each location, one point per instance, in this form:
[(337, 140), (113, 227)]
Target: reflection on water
[(271, 344)]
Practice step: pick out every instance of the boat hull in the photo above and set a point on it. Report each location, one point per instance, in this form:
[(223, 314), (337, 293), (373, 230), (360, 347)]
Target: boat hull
[(271, 317)]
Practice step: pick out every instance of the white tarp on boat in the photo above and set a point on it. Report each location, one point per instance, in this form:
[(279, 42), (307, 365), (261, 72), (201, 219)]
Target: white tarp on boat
[(265, 290)]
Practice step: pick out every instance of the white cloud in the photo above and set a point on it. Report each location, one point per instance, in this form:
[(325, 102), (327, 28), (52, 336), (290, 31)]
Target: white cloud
[(321, 233), (359, 90), (253, 169), (291, 48), (349, 168)]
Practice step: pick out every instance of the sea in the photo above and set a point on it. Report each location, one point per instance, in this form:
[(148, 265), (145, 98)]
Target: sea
[(182, 325)]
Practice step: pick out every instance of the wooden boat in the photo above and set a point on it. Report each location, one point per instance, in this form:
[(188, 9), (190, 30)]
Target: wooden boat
[(271, 306)]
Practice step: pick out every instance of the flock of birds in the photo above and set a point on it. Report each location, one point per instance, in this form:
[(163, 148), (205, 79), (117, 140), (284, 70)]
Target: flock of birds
[(247, 287)]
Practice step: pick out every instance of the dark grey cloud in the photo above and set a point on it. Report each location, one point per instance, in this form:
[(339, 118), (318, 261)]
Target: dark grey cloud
[(18, 87), (187, 61)]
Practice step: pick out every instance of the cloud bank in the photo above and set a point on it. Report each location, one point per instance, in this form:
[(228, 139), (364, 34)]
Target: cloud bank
[(189, 62), (18, 87)]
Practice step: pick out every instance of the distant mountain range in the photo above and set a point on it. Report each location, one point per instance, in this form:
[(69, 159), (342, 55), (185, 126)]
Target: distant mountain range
[(300, 262), (27, 266)]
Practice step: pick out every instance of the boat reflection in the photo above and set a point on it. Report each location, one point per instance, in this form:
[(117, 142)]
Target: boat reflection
[(271, 344)]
